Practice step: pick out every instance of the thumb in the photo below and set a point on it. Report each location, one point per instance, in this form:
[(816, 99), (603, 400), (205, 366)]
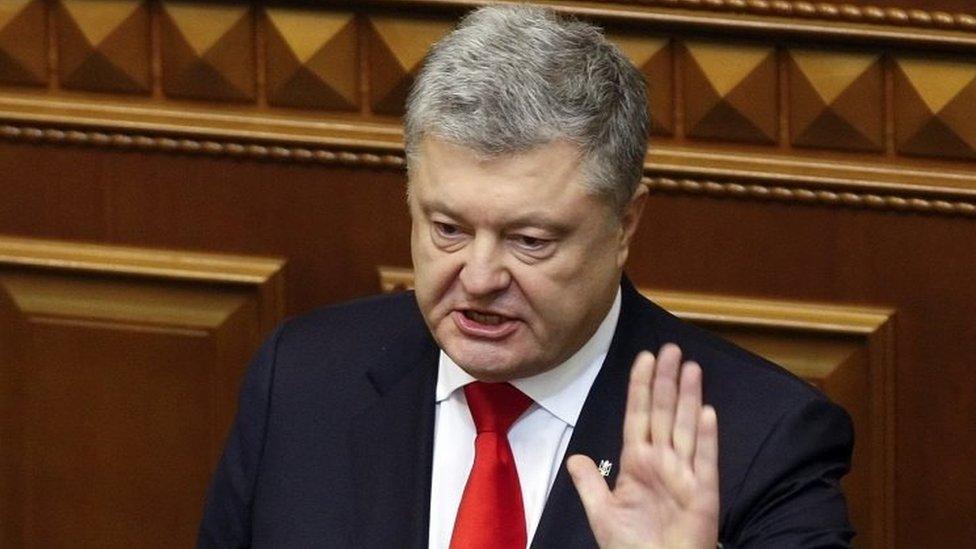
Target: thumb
[(590, 484)]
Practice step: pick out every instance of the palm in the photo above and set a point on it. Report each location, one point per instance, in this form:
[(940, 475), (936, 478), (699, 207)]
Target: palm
[(666, 494)]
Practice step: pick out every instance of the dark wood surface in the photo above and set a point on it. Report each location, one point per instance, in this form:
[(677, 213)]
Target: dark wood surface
[(118, 384), (12, 401)]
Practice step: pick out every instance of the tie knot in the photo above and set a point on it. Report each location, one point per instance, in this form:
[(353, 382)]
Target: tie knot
[(495, 406)]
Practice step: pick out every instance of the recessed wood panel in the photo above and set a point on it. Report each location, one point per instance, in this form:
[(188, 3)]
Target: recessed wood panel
[(208, 51), (836, 99), (12, 408), (313, 59), (934, 98), (735, 96), (119, 433), (104, 46), (130, 367), (23, 42)]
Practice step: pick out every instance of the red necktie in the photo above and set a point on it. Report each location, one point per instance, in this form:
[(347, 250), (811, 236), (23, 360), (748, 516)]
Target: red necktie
[(491, 513)]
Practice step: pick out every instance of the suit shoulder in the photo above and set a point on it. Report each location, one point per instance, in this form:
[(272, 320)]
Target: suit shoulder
[(369, 317), (353, 334), (327, 355)]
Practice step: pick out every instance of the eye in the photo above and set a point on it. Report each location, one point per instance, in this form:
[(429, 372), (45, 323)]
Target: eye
[(446, 229), (531, 243)]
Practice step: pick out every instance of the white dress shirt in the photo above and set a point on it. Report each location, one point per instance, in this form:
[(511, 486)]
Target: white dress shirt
[(538, 439)]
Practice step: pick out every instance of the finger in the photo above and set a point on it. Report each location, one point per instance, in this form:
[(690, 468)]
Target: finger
[(590, 484), (706, 449), (687, 412), (638, 415), (664, 395)]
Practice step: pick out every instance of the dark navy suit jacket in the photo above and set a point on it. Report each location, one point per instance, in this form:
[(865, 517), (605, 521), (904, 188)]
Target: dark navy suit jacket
[(333, 439)]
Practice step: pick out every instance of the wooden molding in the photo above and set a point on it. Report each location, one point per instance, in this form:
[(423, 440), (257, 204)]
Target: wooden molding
[(394, 279), (807, 195), (830, 11), (753, 184), (215, 146), (138, 261), (796, 18), (771, 313), (768, 135), (266, 274)]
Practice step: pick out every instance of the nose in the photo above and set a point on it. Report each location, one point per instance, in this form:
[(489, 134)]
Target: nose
[(484, 272)]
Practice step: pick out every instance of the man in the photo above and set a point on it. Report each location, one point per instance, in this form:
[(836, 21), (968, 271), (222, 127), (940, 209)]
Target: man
[(471, 413)]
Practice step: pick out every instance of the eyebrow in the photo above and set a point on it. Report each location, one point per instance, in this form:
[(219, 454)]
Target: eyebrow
[(539, 220), (530, 219), (436, 206)]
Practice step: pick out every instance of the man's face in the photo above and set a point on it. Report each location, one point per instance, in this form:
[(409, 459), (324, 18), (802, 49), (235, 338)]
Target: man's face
[(516, 263)]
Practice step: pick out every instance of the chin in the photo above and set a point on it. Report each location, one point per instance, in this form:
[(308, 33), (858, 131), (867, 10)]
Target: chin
[(486, 361)]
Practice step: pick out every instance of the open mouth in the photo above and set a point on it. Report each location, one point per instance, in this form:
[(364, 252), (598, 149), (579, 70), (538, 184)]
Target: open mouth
[(484, 325), (485, 318)]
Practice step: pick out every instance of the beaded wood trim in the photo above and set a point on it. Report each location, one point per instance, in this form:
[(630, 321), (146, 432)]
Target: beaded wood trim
[(254, 151), (268, 152), (825, 10), (811, 196)]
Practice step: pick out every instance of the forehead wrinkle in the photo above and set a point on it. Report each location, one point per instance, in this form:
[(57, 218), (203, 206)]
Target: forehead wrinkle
[(536, 218), (435, 204), (503, 191)]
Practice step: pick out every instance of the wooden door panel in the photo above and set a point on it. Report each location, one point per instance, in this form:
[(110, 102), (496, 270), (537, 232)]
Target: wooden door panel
[(125, 387)]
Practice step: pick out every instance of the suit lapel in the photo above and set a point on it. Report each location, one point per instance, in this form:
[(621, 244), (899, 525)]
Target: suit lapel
[(392, 449), (599, 430)]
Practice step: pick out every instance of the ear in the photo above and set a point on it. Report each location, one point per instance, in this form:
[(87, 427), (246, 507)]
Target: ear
[(628, 222)]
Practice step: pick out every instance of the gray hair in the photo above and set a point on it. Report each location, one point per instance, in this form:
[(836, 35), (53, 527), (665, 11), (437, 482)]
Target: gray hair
[(511, 78)]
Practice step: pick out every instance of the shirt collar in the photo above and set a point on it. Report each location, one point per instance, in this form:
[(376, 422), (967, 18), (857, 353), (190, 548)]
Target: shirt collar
[(561, 390)]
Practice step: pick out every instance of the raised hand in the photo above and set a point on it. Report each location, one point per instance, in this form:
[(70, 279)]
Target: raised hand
[(666, 494)]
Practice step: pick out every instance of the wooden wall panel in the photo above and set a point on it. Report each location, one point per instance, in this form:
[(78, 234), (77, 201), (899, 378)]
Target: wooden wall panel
[(811, 153), (735, 92), (312, 59), (104, 46), (810, 104), (116, 453), (208, 51), (23, 42), (295, 210), (905, 262), (837, 99), (130, 365), (12, 372), (934, 101)]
